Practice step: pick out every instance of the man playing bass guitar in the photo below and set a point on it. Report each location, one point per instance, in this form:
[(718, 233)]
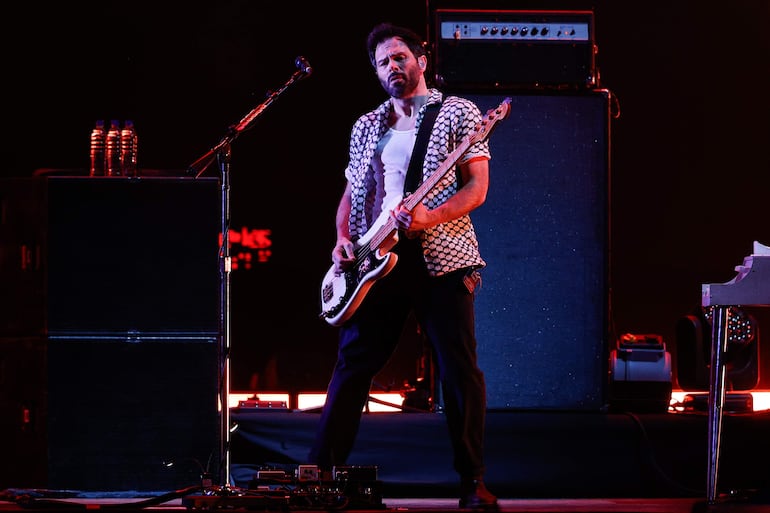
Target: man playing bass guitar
[(434, 263)]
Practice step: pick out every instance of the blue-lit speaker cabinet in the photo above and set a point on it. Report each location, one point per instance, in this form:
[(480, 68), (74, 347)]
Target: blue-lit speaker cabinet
[(542, 309)]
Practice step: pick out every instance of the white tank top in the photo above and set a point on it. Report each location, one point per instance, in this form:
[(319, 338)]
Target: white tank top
[(390, 164)]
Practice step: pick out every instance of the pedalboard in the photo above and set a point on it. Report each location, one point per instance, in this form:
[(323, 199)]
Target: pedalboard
[(304, 487)]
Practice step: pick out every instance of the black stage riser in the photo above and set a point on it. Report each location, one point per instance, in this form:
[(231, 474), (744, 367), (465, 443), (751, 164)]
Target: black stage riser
[(529, 454)]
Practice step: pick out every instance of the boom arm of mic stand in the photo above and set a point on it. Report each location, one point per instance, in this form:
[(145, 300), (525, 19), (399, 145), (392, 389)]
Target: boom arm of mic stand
[(198, 167)]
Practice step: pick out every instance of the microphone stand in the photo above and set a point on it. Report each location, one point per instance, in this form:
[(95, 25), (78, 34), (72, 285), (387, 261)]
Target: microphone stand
[(222, 152)]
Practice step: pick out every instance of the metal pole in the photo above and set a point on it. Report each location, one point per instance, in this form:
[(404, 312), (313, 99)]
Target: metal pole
[(224, 347), (716, 397)]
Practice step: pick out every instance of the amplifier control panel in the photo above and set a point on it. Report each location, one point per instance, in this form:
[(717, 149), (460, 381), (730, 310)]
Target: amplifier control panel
[(515, 30)]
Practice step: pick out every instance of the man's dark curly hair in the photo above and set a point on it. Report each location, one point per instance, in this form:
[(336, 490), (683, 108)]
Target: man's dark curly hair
[(385, 31)]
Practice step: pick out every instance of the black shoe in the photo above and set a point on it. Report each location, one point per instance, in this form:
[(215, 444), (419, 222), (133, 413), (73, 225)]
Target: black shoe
[(474, 495)]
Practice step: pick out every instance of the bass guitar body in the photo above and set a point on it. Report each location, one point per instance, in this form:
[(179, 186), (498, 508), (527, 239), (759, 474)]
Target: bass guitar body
[(342, 293)]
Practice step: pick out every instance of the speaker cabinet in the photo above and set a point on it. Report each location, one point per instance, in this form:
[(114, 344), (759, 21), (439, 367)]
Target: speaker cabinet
[(23, 412), (110, 414), (109, 327), (109, 255), (131, 415), (542, 309)]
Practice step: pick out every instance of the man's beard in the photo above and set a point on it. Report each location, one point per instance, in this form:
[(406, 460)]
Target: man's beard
[(397, 89)]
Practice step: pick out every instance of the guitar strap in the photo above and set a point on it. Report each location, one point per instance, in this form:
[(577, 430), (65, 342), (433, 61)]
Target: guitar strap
[(414, 172)]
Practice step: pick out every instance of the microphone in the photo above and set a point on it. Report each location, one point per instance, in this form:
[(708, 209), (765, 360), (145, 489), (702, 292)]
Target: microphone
[(303, 65)]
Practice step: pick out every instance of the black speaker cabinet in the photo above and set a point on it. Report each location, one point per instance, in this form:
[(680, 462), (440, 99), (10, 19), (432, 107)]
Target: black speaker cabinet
[(109, 414), (23, 412), (542, 310), (109, 255), (109, 332)]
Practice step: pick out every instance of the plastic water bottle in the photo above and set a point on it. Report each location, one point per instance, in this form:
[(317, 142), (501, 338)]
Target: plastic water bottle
[(128, 149), (97, 149), (112, 150)]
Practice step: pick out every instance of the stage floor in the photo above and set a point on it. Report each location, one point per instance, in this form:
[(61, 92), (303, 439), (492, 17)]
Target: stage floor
[(423, 505)]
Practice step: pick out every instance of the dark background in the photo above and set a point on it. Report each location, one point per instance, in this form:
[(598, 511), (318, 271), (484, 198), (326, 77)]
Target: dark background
[(689, 168)]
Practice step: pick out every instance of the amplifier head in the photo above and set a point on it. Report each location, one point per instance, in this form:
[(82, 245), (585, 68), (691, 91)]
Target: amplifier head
[(509, 50)]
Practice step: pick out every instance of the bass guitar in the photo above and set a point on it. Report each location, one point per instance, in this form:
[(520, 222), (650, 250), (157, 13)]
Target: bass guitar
[(343, 292)]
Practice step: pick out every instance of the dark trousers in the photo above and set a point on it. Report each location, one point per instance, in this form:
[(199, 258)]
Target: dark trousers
[(444, 309)]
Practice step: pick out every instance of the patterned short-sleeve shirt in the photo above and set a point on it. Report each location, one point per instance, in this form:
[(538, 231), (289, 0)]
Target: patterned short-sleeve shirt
[(448, 246)]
